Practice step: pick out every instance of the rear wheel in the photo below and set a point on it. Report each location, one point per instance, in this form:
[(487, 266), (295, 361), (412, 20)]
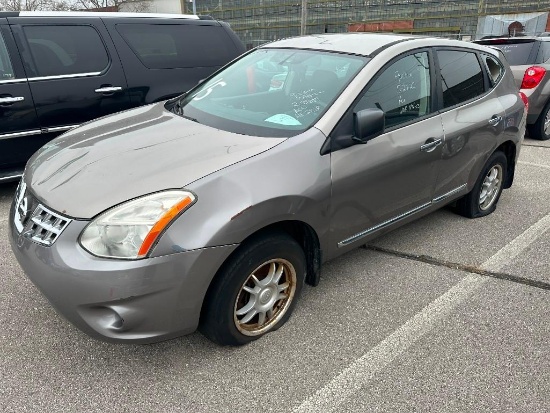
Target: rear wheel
[(255, 292), (483, 198), (541, 128)]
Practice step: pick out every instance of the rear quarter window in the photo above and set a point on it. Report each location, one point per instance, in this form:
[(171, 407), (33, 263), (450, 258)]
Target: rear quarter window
[(494, 67), (167, 46)]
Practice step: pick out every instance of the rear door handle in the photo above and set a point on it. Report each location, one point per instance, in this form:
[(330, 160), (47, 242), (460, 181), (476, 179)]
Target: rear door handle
[(495, 120), (431, 144), (108, 89), (11, 100)]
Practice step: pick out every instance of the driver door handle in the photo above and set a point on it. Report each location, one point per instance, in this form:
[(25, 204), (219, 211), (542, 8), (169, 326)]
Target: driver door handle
[(11, 100), (108, 89)]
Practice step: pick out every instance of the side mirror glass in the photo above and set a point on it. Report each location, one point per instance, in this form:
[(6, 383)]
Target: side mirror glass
[(368, 124)]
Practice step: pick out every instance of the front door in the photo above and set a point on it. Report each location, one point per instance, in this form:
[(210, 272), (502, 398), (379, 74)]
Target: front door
[(73, 69), (392, 176), (18, 120)]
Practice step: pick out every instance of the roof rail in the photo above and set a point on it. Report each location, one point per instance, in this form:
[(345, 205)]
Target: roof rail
[(97, 14)]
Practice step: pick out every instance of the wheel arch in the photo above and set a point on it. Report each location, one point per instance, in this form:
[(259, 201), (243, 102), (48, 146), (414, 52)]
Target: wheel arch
[(303, 234)]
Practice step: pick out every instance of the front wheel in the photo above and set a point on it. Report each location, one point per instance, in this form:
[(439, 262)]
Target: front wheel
[(255, 292), (483, 198), (541, 128)]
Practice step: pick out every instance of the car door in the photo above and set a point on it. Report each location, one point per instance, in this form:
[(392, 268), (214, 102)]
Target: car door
[(18, 120), (392, 176), (473, 120), (73, 69)]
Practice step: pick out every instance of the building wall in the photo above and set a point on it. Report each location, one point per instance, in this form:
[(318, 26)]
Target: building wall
[(259, 21)]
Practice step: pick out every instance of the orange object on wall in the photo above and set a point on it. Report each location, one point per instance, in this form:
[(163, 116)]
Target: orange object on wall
[(383, 26)]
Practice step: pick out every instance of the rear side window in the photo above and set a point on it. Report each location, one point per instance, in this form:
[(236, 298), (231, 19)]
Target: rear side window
[(66, 50), (461, 76), (6, 69), (166, 46)]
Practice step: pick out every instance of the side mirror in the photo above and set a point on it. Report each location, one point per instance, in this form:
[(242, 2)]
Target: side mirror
[(368, 124)]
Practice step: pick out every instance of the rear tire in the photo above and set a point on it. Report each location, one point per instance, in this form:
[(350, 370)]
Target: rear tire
[(482, 199), (255, 291), (541, 128)]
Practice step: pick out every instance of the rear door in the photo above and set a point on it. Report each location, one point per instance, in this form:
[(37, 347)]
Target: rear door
[(474, 121), (18, 120), (73, 69)]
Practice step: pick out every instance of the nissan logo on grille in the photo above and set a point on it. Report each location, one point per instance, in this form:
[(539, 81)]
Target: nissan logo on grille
[(22, 207)]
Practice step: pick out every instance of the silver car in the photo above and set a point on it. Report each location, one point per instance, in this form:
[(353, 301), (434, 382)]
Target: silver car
[(529, 59), (211, 210)]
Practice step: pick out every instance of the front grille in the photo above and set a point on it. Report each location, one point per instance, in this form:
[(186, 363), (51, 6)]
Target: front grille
[(34, 220), (45, 225)]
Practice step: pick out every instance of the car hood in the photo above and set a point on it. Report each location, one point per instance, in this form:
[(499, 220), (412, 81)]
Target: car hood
[(133, 153)]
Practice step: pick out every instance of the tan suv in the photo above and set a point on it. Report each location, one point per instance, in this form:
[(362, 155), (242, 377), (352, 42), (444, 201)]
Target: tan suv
[(529, 58)]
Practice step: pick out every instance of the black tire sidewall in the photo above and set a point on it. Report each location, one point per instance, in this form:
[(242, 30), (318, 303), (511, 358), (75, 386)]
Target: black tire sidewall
[(472, 200), (217, 321), (538, 127)]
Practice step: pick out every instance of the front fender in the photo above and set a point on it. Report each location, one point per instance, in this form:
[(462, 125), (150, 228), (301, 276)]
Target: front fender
[(290, 182)]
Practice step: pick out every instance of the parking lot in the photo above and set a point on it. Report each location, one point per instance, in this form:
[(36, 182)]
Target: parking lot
[(443, 315)]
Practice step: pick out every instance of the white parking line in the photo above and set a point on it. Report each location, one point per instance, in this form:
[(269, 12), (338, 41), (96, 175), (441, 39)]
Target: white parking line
[(364, 369), (538, 165)]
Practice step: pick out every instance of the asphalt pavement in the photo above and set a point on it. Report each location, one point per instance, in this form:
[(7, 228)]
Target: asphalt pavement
[(443, 315)]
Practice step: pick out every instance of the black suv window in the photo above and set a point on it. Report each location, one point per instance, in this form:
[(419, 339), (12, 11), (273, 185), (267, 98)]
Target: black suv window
[(461, 76), (6, 69), (402, 90), (166, 46), (66, 50)]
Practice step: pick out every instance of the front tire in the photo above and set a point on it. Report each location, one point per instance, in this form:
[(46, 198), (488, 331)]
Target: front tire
[(482, 199), (255, 291)]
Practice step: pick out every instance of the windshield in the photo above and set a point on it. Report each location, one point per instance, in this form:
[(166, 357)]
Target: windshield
[(271, 92)]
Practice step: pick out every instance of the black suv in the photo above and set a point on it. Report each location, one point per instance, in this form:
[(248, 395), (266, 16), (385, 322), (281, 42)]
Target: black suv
[(58, 70), (529, 58)]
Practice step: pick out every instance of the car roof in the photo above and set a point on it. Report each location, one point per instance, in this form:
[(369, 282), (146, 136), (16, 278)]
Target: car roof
[(98, 14), (365, 44)]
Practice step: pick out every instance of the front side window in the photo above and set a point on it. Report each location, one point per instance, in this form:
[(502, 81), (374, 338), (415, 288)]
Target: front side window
[(461, 76), (271, 92), (66, 50), (6, 69), (402, 90)]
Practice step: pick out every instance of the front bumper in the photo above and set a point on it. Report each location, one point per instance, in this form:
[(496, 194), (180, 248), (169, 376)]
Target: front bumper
[(140, 301)]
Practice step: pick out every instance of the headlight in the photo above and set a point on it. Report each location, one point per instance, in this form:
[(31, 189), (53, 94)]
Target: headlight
[(130, 230)]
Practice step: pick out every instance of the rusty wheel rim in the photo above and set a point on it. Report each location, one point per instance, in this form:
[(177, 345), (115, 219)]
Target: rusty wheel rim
[(265, 297)]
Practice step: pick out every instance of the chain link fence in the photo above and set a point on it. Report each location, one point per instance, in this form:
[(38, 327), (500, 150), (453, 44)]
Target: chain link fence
[(260, 21)]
